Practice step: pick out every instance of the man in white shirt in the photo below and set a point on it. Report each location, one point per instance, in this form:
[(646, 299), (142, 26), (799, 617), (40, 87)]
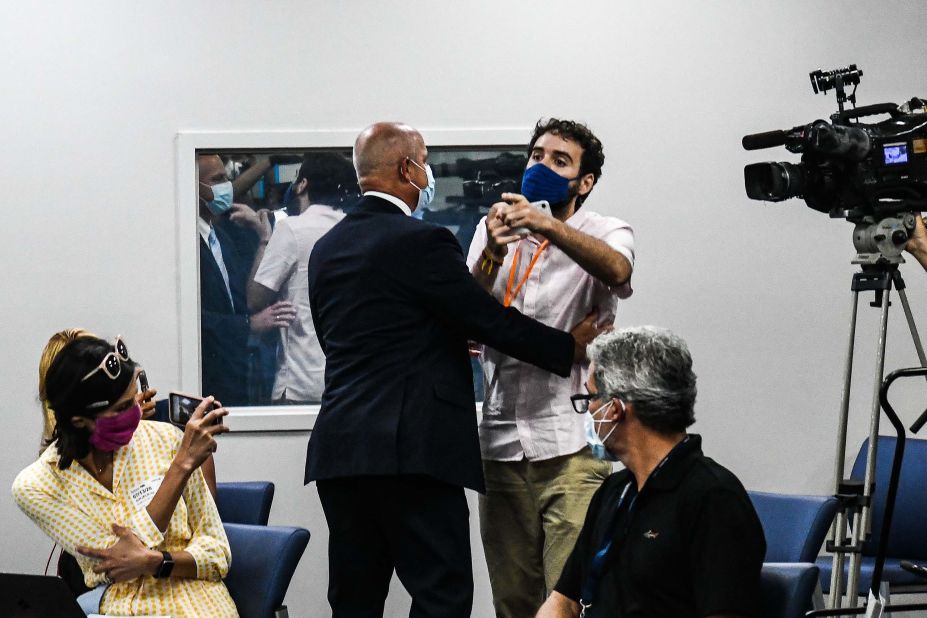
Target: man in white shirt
[(280, 273), (557, 268)]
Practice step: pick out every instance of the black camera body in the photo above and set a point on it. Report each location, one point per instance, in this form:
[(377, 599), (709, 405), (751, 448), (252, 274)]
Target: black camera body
[(873, 175), (850, 170)]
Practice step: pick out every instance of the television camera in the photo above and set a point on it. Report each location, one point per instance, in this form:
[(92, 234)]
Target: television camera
[(873, 175)]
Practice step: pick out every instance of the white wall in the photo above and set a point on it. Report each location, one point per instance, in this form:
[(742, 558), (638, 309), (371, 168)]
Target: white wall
[(95, 92)]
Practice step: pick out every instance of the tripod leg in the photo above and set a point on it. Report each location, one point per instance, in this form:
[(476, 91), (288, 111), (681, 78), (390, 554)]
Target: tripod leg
[(912, 326), (839, 528), (861, 531), (835, 596)]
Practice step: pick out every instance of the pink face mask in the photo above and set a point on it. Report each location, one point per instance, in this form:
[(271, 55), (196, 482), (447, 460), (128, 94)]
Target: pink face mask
[(113, 432)]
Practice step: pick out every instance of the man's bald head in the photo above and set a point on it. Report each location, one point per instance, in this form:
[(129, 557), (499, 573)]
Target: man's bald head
[(381, 147)]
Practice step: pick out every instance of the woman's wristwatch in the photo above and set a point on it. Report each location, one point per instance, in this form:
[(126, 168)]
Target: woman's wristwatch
[(166, 566)]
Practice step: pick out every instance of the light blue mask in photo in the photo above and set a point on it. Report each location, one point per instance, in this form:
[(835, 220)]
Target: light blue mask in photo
[(221, 197), (426, 194)]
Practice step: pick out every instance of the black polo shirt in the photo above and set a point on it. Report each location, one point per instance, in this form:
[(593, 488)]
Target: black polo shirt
[(690, 544)]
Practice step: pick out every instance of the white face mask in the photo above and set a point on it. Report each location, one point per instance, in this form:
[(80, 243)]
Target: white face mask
[(426, 194), (596, 442)]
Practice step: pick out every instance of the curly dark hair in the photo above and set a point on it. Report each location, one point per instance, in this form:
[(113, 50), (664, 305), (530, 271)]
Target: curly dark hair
[(593, 156)]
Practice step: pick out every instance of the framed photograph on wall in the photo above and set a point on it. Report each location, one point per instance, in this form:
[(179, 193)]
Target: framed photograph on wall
[(249, 206)]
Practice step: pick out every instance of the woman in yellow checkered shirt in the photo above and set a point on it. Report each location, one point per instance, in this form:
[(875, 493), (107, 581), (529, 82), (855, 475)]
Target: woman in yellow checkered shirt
[(127, 496)]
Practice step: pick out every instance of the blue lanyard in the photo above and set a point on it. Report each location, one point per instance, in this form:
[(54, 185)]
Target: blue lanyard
[(597, 568), (591, 585)]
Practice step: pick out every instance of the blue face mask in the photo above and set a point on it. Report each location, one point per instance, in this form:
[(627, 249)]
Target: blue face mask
[(539, 182), (221, 197), (596, 443), (426, 194)]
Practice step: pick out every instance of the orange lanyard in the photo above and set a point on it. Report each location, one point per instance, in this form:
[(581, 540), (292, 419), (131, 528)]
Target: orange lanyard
[(510, 294)]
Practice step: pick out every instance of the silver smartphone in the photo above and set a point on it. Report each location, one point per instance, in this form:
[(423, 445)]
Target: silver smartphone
[(543, 206)]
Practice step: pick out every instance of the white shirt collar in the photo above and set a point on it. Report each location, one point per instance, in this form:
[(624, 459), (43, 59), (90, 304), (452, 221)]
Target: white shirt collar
[(393, 200), (203, 227)]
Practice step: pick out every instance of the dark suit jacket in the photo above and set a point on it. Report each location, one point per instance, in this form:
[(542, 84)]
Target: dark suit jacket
[(393, 305), (224, 331)]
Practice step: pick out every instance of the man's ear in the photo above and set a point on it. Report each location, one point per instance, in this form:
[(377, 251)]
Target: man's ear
[(585, 184), (404, 174), (619, 411), (302, 186)]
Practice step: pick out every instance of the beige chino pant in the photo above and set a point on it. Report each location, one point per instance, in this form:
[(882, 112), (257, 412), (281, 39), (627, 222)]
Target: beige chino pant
[(529, 520)]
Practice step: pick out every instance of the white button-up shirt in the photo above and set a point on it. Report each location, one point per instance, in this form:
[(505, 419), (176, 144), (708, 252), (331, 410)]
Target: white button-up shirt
[(526, 410), (391, 199), (285, 270)]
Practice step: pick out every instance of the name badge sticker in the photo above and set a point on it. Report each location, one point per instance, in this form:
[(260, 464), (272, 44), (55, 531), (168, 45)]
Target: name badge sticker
[(143, 493)]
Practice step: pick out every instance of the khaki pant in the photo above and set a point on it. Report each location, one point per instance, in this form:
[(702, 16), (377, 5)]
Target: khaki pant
[(529, 520)]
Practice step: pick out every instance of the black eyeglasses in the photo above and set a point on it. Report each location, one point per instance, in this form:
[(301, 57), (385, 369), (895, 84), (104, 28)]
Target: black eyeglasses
[(581, 401), (111, 365)]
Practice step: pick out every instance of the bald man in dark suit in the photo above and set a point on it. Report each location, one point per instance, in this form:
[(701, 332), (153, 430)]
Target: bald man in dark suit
[(395, 442)]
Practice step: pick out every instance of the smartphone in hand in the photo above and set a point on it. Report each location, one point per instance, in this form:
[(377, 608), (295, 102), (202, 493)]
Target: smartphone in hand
[(182, 406), (541, 205)]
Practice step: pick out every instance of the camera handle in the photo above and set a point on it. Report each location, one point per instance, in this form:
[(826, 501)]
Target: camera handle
[(854, 512), (822, 81)]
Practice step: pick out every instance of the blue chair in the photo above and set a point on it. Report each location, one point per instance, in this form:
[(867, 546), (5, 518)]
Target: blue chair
[(245, 502), (162, 411), (908, 539), (787, 588), (795, 526), (263, 561)]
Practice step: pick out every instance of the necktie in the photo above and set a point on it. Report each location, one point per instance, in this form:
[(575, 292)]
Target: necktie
[(217, 254)]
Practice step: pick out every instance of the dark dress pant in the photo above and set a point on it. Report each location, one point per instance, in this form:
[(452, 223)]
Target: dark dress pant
[(414, 524)]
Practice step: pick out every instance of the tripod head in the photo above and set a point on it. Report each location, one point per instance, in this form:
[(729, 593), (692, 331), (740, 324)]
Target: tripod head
[(881, 241)]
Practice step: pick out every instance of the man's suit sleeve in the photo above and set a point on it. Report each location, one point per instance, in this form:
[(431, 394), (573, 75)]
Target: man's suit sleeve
[(453, 295)]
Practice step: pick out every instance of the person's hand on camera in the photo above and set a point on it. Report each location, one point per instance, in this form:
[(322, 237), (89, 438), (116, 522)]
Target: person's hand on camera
[(146, 402), (279, 315), (917, 244), (584, 332), (256, 220), (125, 560), (519, 213), (199, 440)]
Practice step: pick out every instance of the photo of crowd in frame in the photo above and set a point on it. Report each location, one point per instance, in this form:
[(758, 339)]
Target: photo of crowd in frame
[(260, 211)]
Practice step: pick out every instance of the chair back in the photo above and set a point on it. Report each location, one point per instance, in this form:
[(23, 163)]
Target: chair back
[(245, 502), (263, 561), (795, 526), (909, 523), (787, 589)]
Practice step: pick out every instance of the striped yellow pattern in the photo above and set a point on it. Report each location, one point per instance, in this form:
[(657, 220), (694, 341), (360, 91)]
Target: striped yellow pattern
[(73, 508)]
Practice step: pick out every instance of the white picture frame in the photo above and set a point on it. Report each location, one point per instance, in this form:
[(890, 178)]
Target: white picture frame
[(188, 143)]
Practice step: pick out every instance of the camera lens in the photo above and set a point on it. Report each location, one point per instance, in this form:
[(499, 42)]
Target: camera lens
[(773, 181)]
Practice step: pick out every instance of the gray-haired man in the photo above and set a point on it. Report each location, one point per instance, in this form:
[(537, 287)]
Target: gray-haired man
[(674, 534)]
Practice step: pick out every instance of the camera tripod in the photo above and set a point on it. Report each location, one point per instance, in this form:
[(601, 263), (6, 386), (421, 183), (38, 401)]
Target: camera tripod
[(854, 511)]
